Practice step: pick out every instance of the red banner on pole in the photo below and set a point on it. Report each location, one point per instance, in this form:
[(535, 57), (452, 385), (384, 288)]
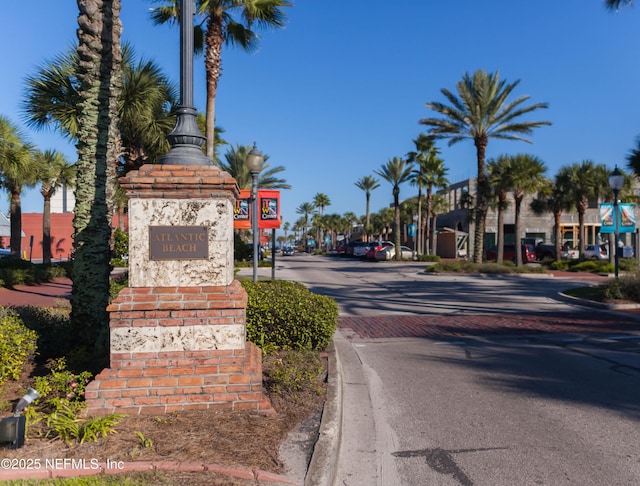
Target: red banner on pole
[(268, 210), (242, 211), (269, 207)]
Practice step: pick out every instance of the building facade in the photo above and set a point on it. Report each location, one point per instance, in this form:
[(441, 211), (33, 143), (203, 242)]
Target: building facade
[(533, 226)]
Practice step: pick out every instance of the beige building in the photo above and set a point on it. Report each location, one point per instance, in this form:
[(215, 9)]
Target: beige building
[(457, 222)]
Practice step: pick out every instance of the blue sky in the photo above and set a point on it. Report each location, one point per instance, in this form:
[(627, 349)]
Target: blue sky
[(341, 89)]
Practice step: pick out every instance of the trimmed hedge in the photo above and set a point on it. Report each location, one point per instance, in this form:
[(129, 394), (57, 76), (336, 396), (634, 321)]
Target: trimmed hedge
[(14, 271), (286, 315)]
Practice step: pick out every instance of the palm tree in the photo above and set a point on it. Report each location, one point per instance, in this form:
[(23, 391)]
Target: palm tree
[(633, 158), (285, 227), (583, 181), (431, 173), (227, 22), (321, 201), (615, 4), (145, 105), (395, 172), (99, 85), (18, 171), (424, 146), (367, 184), (499, 181), (235, 165), (305, 209), (349, 219), (480, 112), (526, 175), (556, 199), (54, 172)]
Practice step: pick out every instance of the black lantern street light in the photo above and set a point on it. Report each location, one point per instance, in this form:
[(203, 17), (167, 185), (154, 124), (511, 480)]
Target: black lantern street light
[(616, 179), (254, 163)]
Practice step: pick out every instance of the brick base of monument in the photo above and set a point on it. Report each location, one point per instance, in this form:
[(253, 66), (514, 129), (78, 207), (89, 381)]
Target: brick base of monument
[(179, 348)]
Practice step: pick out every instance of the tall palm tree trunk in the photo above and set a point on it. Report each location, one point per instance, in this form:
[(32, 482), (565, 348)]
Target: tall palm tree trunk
[(481, 205), (46, 231), (428, 230), (420, 232), (396, 230), (100, 83), (213, 64), (15, 210), (518, 230)]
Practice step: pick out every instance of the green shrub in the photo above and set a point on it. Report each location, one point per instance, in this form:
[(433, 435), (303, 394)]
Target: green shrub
[(15, 271), (60, 386), (120, 244), (592, 266), (559, 265), (17, 345), (295, 371), (286, 315), (241, 249), (51, 324), (428, 258), (625, 288), (117, 284)]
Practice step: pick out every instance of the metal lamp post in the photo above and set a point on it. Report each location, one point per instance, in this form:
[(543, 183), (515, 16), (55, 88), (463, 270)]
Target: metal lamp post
[(254, 163), (616, 179)]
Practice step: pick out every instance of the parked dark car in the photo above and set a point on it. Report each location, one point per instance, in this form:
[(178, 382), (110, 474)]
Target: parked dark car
[(288, 251), (528, 253)]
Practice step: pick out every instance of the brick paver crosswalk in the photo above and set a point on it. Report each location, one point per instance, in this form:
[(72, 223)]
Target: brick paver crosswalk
[(438, 326)]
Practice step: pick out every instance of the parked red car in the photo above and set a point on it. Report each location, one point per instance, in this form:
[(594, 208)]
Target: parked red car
[(528, 253), (374, 247)]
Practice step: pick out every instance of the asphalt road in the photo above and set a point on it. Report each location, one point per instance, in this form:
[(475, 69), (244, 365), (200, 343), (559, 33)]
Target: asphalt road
[(472, 380)]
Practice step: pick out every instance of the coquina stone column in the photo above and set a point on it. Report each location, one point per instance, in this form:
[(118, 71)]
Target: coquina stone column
[(178, 335)]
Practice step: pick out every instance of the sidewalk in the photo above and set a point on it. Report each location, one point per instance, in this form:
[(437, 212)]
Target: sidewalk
[(51, 294)]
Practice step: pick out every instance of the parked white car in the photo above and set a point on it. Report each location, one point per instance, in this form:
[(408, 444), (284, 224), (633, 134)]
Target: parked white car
[(389, 253), (595, 252)]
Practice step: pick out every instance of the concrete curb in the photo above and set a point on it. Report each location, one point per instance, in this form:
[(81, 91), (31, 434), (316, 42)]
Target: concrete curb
[(148, 466), (595, 304), (321, 470)]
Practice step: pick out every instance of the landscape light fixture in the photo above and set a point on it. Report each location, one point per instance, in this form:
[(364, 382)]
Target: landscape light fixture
[(12, 429), (616, 180), (254, 162)]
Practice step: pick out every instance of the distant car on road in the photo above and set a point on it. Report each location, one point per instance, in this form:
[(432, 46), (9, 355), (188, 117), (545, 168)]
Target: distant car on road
[(288, 251), (528, 253), (595, 252)]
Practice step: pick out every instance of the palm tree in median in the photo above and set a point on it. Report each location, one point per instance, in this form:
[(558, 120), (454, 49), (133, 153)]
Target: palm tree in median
[(54, 172), (367, 184), (227, 22), (556, 199), (424, 147), (395, 172), (480, 112), (305, 209), (431, 173), (583, 181), (499, 181), (18, 171), (526, 175)]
